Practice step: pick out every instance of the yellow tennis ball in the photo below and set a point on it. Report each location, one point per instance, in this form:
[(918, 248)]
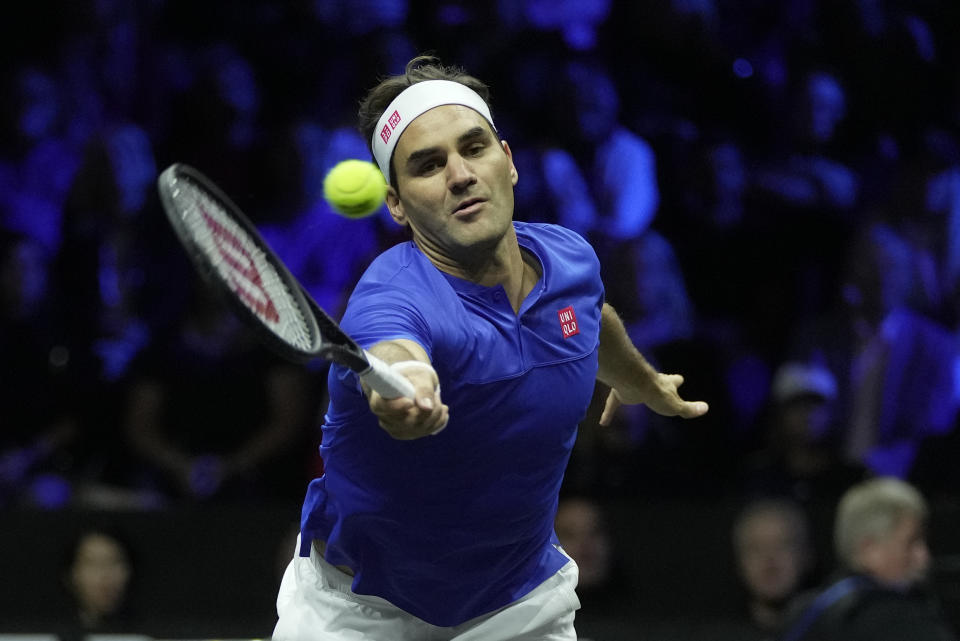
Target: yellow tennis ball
[(355, 188)]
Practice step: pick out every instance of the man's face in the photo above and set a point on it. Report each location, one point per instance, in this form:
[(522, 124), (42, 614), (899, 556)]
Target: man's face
[(454, 185), (581, 532), (902, 558), (100, 575), (805, 420), (771, 556)]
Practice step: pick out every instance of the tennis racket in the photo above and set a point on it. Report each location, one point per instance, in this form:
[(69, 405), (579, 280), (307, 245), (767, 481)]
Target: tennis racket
[(230, 253)]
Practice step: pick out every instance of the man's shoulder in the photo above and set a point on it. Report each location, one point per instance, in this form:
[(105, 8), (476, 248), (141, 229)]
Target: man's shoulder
[(550, 236), (398, 266), (536, 229), (395, 257), (870, 611), (889, 614), (400, 276)]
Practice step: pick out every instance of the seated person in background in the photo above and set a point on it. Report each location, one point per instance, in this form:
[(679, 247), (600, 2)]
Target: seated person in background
[(879, 592), (774, 559), (606, 598), (600, 177), (43, 381), (582, 531), (97, 575), (212, 415), (894, 366), (801, 457)]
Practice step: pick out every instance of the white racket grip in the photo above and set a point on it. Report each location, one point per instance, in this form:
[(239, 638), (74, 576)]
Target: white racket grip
[(386, 381)]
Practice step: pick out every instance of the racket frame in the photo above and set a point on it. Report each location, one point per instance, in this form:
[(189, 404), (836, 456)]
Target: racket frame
[(327, 340)]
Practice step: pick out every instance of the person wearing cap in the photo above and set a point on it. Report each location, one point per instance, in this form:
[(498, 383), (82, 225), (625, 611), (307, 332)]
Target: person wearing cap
[(801, 457), (434, 516)]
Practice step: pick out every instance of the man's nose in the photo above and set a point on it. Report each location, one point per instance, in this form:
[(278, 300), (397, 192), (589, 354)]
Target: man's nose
[(459, 173)]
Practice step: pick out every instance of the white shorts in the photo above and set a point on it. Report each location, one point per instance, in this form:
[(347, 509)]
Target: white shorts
[(315, 603)]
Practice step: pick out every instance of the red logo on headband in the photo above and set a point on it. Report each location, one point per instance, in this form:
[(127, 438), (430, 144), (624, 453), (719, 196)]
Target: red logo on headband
[(394, 119), (388, 128)]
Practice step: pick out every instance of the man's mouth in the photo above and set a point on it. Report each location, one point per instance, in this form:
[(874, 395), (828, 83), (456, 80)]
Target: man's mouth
[(468, 206)]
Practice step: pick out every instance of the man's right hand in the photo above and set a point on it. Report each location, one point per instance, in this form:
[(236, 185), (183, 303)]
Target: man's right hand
[(407, 419)]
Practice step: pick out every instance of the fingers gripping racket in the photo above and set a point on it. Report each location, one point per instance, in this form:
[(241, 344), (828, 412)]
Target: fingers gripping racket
[(229, 252)]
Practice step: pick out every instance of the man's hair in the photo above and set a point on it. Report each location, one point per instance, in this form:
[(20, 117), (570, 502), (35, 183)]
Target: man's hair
[(872, 510), (417, 70)]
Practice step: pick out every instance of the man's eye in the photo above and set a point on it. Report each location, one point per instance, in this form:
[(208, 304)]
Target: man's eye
[(476, 150), (428, 167)]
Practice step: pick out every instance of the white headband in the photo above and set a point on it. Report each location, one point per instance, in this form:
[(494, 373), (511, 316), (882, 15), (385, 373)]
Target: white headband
[(413, 101)]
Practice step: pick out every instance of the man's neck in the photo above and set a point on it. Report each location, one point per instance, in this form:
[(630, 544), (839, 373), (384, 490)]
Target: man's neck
[(506, 265)]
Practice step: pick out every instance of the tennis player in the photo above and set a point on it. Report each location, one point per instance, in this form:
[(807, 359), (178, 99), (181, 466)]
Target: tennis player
[(434, 517)]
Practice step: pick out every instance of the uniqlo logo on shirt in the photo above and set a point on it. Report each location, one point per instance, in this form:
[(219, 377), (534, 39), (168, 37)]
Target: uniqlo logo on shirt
[(568, 322)]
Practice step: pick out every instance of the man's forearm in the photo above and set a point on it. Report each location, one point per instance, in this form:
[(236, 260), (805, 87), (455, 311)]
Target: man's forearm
[(399, 349), (621, 365)]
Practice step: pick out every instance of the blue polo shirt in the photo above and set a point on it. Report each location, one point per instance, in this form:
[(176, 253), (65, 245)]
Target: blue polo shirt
[(453, 526)]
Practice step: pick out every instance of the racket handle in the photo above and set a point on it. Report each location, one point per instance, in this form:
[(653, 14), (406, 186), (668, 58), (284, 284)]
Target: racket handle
[(386, 381)]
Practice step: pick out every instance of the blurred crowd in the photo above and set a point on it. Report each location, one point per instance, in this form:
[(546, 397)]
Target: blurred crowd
[(773, 189), (774, 192)]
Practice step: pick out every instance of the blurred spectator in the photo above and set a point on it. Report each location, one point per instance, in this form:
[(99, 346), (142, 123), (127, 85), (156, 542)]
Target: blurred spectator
[(105, 252), (43, 381), (707, 185), (892, 54), (895, 367), (103, 273), (712, 188), (803, 179), (774, 560), (904, 368), (717, 185), (808, 173), (98, 575), (577, 21), (943, 194), (754, 144), (600, 176), (879, 591), (647, 286), (606, 596), (217, 123), (37, 162), (213, 416), (923, 204), (583, 534), (111, 40), (645, 283), (727, 181), (802, 455)]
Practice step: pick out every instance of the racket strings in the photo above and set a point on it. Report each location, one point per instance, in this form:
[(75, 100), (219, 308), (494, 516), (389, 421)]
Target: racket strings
[(240, 262)]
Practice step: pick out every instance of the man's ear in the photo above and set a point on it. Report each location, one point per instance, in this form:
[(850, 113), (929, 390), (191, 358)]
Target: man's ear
[(396, 207), (514, 175)]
